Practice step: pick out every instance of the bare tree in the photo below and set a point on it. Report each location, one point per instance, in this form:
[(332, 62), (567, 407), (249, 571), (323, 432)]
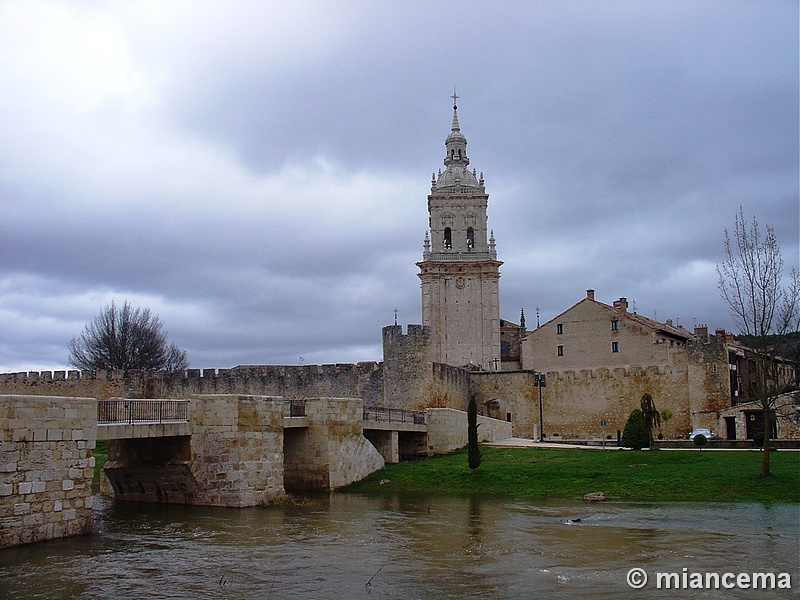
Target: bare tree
[(125, 339), (766, 311)]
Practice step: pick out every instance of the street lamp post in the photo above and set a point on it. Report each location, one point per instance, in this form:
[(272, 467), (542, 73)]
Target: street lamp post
[(540, 381)]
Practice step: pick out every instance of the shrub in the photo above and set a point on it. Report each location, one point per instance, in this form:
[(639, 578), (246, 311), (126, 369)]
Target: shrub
[(700, 440), (635, 435), (758, 439)]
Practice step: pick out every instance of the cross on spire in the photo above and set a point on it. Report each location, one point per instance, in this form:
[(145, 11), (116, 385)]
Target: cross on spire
[(454, 97)]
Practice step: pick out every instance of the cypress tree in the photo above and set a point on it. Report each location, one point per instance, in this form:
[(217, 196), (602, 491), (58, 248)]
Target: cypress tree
[(473, 451)]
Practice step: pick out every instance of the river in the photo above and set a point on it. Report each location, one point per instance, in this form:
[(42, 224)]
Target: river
[(346, 546)]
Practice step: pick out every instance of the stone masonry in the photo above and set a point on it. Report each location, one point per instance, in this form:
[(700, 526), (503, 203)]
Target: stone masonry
[(46, 467), (360, 380), (237, 449), (447, 429), (234, 456), (332, 452)]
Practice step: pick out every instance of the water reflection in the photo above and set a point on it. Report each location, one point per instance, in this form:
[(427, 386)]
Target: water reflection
[(402, 547)]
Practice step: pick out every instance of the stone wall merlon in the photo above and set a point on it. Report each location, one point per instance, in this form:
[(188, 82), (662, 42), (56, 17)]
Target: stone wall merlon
[(605, 373), (362, 366)]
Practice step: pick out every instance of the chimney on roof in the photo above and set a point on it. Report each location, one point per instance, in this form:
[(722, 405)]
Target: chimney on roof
[(701, 331), (590, 295), (725, 336), (621, 305)]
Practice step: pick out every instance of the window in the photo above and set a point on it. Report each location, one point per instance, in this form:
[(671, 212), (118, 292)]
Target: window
[(615, 325), (615, 346), (470, 237), (560, 350), (560, 328), (448, 238)]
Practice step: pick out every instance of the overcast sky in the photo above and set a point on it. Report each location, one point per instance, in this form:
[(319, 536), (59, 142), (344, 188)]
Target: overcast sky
[(257, 172)]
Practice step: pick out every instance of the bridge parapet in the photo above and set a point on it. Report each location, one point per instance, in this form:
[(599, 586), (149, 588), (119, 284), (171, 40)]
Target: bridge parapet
[(126, 410), (393, 415), (125, 418)]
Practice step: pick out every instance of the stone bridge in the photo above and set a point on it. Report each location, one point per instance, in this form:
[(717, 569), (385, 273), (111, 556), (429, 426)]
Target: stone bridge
[(217, 450)]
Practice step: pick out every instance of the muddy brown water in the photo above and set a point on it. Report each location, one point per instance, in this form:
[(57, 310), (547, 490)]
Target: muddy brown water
[(345, 546)]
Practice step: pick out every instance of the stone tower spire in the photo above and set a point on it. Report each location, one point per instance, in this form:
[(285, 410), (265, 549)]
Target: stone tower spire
[(460, 271)]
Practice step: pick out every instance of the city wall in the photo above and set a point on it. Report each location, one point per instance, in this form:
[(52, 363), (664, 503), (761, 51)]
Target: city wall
[(574, 402), (447, 429), (360, 380), (508, 396), (412, 380)]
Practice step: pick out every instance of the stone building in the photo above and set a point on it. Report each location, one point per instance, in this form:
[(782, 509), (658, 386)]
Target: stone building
[(599, 359), (511, 335), (728, 388), (459, 271), (591, 334)]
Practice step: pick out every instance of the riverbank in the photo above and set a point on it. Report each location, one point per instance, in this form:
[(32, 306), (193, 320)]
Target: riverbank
[(674, 475)]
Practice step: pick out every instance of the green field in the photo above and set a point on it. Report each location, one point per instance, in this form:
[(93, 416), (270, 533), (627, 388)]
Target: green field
[(100, 457), (659, 475)]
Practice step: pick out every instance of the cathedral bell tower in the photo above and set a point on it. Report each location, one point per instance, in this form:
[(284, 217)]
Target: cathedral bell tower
[(459, 270)]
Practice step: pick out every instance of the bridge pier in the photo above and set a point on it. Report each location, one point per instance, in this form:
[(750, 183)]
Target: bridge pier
[(237, 449), (46, 467), (332, 451), (386, 442)]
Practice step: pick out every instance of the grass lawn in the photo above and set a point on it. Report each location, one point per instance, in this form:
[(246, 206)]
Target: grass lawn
[(663, 475), (100, 458)]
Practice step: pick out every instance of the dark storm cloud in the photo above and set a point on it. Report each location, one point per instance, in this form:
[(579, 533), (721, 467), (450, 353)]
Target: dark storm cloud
[(256, 173)]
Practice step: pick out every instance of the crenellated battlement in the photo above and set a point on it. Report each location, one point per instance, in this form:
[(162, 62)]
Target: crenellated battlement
[(614, 373), (359, 380), (395, 332)]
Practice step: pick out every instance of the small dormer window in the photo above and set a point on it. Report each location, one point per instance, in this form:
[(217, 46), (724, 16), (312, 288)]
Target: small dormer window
[(448, 238)]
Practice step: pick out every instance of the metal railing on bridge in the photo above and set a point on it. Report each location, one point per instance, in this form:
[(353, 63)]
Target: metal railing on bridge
[(294, 408), (132, 411), (394, 415)]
